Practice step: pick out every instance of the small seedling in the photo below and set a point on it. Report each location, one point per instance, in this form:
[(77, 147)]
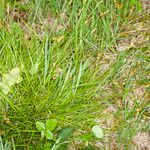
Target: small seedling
[(46, 129)]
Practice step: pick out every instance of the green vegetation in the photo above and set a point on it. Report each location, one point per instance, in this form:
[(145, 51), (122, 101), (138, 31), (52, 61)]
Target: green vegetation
[(74, 74)]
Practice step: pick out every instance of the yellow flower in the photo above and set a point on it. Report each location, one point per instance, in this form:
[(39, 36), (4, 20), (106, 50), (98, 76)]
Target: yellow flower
[(58, 38), (118, 5)]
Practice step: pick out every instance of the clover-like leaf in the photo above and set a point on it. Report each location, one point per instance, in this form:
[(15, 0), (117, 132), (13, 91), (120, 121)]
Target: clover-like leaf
[(48, 134), (5, 88), (40, 126), (51, 124), (12, 77), (98, 132)]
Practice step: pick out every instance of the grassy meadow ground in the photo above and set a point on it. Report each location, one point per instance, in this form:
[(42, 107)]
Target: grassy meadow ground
[(80, 63)]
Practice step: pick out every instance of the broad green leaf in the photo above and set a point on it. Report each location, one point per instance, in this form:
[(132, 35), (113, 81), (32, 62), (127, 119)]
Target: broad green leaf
[(12, 77), (34, 69), (66, 133), (4, 88), (40, 126), (48, 134), (98, 132), (51, 124)]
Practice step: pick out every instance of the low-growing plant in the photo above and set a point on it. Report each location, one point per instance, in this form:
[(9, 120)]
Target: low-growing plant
[(47, 130)]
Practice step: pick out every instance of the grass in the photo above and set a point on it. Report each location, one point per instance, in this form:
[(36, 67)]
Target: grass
[(74, 70)]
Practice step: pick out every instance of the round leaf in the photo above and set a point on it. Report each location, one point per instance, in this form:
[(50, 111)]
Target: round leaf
[(40, 126), (12, 77), (98, 132), (48, 134), (51, 124), (5, 88)]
